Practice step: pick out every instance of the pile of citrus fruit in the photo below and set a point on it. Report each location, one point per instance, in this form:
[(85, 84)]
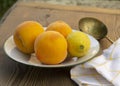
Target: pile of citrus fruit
[(53, 44)]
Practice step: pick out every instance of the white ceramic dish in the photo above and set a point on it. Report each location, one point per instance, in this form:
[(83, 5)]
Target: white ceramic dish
[(16, 55)]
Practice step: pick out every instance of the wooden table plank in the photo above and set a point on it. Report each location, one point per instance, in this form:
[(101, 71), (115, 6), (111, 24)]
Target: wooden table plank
[(14, 74), (117, 27)]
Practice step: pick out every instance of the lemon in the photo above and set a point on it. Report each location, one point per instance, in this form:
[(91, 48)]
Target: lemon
[(78, 43)]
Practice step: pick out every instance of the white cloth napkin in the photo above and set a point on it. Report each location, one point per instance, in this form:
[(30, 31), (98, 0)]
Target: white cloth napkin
[(103, 70)]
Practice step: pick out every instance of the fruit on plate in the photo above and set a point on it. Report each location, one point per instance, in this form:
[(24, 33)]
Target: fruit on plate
[(61, 27), (25, 35), (51, 47), (78, 43)]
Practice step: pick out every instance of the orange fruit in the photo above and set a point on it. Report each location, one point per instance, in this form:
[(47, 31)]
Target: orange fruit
[(61, 27), (25, 35), (51, 47)]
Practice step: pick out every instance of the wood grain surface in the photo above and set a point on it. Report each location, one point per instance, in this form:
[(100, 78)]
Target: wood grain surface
[(16, 74)]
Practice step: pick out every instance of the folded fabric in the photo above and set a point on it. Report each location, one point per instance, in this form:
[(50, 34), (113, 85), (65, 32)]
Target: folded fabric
[(102, 70)]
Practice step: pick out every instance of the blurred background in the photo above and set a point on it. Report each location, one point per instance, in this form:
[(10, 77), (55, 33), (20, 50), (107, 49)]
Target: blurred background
[(112, 4), (5, 5)]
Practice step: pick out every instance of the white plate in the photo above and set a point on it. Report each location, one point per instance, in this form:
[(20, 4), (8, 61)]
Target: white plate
[(16, 55)]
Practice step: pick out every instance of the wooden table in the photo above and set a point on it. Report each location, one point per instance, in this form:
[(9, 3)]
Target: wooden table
[(16, 74)]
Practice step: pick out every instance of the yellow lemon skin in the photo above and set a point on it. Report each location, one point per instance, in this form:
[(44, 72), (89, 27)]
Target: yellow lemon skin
[(51, 47), (78, 44), (25, 35), (60, 26)]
